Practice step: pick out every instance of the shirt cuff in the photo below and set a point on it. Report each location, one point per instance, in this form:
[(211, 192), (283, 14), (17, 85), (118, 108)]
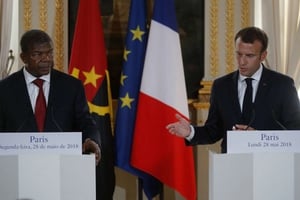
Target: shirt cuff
[(192, 133)]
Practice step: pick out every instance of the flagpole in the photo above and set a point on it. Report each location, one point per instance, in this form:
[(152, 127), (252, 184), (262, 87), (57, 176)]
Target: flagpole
[(161, 194), (140, 189)]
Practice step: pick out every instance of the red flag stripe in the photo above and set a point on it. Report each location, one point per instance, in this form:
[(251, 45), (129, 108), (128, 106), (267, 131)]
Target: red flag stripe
[(163, 155)]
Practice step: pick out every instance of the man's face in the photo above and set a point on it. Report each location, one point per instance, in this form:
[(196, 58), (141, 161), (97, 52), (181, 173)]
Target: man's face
[(39, 59), (249, 57)]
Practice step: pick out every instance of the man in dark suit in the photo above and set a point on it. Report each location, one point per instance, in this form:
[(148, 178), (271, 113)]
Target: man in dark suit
[(274, 103), (66, 105)]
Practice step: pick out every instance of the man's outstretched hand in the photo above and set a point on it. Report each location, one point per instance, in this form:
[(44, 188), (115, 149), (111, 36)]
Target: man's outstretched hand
[(181, 128)]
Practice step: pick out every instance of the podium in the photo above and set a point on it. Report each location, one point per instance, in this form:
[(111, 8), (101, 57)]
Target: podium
[(259, 175), (47, 177), (47, 166), (256, 176)]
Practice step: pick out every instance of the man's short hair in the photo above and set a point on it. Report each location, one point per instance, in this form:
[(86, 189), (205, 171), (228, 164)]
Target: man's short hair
[(32, 37), (251, 34)]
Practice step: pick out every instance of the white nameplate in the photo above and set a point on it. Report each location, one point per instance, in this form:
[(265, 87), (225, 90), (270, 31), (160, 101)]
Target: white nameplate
[(263, 141), (30, 143)]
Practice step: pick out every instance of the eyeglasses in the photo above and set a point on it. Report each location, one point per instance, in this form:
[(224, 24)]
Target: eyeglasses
[(40, 55)]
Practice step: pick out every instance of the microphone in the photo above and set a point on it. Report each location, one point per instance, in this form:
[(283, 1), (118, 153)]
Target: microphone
[(276, 120), (54, 121)]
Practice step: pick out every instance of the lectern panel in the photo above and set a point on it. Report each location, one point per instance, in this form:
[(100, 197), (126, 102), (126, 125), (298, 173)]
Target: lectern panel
[(47, 177), (9, 187), (254, 176)]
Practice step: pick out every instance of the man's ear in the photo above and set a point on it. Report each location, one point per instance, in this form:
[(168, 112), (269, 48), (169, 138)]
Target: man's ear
[(264, 55), (23, 57)]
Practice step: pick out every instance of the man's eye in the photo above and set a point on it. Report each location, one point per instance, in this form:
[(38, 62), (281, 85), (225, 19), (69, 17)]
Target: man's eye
[(36, 54)]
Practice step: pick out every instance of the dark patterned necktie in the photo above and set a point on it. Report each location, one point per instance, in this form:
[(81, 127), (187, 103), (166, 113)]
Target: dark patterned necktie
[(247, 103), (40, 105)]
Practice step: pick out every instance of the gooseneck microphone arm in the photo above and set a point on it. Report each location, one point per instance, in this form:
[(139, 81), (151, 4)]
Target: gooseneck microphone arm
[(54, 120), (276, 120)]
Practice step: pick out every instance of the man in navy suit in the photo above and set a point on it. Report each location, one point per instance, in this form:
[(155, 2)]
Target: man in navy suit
[(66, 104), (275, 102)]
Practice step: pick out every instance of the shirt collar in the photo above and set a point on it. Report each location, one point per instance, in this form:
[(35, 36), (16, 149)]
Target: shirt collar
[(29, 78), (256, 76)]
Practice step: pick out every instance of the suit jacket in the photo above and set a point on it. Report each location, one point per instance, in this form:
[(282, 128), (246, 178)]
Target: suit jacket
[(67, 108), (276, 107)]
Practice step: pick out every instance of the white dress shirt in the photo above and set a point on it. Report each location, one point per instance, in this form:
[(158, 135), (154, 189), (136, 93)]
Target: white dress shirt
[(33, 90), (242, 85)]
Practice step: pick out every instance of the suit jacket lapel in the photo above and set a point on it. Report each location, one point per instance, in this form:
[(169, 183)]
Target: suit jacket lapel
[(51, 101), (263, 85), (23, 95), (235, 98), (51, 89)]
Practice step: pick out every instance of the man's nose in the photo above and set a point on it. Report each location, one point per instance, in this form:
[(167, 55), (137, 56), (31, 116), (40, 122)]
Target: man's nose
[(242, 60)]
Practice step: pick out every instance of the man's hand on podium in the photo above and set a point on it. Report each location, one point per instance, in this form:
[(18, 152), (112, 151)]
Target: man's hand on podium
[(242, 127), (89, 146)]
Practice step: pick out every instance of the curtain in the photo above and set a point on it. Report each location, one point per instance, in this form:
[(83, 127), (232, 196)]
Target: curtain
[(6, 10), (280, 19)]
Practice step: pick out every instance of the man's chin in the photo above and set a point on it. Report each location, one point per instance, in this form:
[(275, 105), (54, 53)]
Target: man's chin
[(44, 71), (244, 72)]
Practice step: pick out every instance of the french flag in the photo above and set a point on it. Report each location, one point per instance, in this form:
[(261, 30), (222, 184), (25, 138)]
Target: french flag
[(162, 95)]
